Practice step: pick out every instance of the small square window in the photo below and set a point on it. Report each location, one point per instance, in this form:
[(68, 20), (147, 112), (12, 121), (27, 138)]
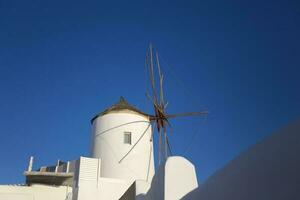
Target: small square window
[(127, 137)]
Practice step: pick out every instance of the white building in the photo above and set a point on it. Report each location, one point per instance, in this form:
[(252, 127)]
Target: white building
[(121, 166)]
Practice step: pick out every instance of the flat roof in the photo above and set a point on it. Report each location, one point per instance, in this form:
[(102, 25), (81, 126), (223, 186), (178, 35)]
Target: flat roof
[(49, 178)]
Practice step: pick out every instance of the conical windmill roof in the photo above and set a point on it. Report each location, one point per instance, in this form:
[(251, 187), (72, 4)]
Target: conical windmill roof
[(121, 105)]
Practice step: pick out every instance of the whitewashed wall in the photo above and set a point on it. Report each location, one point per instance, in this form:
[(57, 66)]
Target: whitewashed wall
[(34, 192), (108, 144), (173, 180), (268, 170)]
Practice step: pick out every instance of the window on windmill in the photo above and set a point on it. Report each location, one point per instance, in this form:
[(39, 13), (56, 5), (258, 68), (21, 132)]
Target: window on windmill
[(127, 137)]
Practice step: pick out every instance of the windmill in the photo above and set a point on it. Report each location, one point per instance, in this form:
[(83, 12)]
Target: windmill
[(160, 118)]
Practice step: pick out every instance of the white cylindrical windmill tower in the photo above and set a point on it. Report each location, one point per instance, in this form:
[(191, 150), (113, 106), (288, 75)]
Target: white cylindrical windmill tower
[(121, 138)]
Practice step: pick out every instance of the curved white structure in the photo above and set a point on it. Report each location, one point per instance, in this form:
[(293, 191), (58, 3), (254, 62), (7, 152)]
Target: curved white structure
[(122, 140), (269, 169), (173, 180)]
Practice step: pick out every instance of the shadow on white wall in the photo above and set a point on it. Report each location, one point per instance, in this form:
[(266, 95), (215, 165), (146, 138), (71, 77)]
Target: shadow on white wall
[(269, 170)]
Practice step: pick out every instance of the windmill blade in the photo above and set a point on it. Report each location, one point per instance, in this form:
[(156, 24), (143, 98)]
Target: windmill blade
[(150, 65), (153, 102), (169, 146), (157, 107), (150, 98), (161, 78), (186, 114), (165, 106), (165, 143), (159, 146), (169, 124)]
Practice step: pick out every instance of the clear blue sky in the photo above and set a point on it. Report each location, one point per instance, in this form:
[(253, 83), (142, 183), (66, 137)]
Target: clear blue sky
[(61, 62)]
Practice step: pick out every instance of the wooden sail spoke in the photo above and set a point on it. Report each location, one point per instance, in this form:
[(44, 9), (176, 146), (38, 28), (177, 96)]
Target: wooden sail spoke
[(160, 118), (169, 124), (151, 74), (165, 143), (161, 78), (157, 108), (169, 146), (186, 114)]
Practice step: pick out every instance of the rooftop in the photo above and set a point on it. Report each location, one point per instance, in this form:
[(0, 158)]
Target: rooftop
[(121, 105)]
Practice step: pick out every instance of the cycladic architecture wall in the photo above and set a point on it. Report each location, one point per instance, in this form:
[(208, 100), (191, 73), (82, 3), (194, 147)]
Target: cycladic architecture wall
[(268, 170), (89, 185), (174, 179), (121, 167), (35, 192), (122, 140)]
